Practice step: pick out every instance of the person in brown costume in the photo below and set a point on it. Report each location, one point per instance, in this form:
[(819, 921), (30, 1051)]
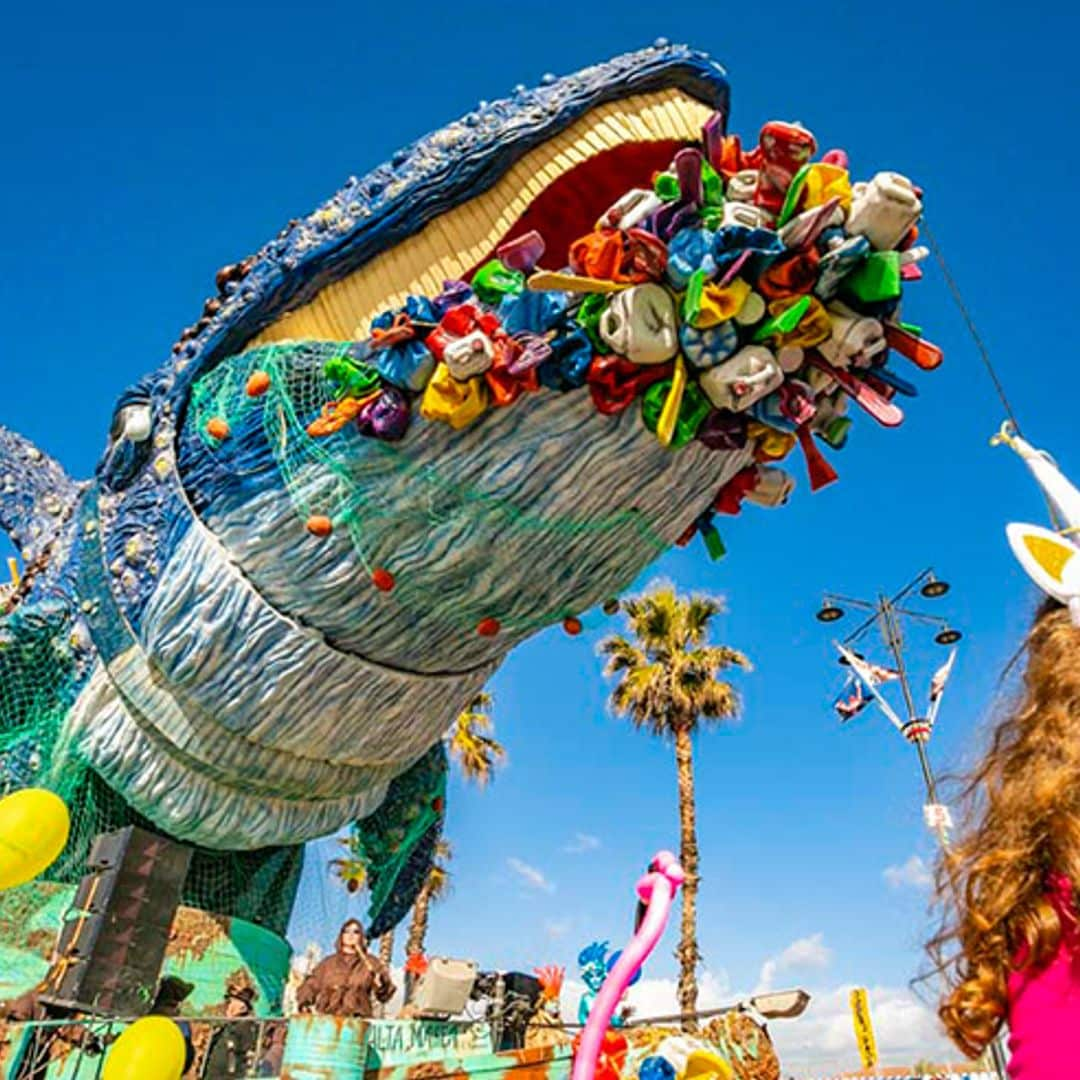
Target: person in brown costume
[(348, 982)]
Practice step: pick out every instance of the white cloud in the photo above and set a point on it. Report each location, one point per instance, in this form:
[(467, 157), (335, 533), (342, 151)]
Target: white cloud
[(823, 1038), (659, 997), (532, 877), (804, 954), (652, 998), (556, 928), (582, 844), (914, 874)]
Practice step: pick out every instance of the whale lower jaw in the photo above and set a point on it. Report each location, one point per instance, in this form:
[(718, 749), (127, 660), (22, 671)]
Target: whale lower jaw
[(229, 725), (183, 797)]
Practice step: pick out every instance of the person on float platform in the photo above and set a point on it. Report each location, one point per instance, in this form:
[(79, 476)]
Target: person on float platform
[(348, 982), (232, 1047), (1011, 883), (172, 992)]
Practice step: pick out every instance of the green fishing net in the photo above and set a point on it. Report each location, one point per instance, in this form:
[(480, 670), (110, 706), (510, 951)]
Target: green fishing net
[(353, 468), (40, 676)]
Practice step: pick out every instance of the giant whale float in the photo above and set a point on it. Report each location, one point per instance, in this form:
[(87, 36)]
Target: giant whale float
[(244, 681)]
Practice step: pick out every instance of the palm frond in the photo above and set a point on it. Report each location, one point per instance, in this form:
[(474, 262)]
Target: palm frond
[(438, 880), (477, 752), (720, 657), (622, 655), (666, 674)]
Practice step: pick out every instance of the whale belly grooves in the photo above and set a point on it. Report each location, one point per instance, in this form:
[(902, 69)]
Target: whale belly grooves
[(232, 726), (376, 677)]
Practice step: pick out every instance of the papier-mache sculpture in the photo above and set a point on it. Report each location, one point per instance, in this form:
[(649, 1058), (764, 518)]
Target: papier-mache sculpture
[(472, 395)]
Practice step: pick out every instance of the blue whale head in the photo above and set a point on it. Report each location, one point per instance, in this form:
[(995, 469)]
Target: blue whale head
[(256, 680), (251, 686)]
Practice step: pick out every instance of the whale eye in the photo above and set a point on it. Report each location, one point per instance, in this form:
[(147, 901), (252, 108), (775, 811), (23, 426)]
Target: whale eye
[(129, 444), (133, 422)]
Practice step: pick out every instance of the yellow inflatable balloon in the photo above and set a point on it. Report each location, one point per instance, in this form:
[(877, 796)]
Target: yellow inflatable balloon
[(34, 827), (152, 1048), (702, 1064)]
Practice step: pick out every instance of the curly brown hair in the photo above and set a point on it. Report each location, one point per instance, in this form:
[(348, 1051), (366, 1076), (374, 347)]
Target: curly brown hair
[(1022, 823)]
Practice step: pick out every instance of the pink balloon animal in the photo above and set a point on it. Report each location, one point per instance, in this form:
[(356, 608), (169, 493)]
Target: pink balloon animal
[(656, 891)]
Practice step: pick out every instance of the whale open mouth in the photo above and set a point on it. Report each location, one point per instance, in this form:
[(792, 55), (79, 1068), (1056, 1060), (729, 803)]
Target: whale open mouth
[(558, 189)]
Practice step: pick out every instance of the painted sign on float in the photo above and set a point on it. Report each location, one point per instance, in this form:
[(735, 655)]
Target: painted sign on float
[(401, 1042)]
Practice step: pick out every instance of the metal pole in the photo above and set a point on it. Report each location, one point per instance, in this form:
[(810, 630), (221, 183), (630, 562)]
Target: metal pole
[(891, 633), (895, 643), (928, 777)]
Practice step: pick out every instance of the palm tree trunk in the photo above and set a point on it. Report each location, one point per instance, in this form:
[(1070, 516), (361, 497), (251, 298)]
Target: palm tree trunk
[(386, 955), (419, 925), (687, 953), (386, 947)]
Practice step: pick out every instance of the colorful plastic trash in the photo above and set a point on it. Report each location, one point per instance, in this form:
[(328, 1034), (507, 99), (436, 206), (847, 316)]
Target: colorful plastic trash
[(688, 410), (876, 279), (493, 281), (708, 347), (743, 379), (884, 210), (523, 252), (641, 324), (784, 321), (719, 303), (689, 251), (451, 401)]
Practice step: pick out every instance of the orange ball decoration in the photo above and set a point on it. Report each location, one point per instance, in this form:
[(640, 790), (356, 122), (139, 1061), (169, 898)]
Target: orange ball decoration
[(319, 525), (258, 383), (572, 625), (488, 627), (218, 428)]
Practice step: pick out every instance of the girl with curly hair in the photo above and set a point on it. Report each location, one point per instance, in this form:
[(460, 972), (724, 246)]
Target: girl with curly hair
[(1010, 942)]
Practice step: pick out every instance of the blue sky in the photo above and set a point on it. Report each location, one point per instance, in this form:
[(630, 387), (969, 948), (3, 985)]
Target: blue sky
[(144, 147)]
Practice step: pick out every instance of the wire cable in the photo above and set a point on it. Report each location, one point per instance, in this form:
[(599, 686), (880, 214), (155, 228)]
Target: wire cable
[(973, 330)]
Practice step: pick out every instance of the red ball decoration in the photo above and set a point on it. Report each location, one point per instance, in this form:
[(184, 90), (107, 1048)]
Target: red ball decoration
[(488, 627), (382, 579), (572, 625)]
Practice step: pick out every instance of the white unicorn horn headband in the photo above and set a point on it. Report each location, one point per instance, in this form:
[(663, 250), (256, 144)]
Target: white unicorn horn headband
[(1051, 558)]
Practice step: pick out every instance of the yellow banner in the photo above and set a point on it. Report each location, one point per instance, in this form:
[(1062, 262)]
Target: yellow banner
[(864, 1029)]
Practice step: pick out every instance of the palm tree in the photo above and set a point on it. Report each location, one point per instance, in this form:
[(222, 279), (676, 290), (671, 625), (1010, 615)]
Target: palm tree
[(386, 955), (435, 888), (477, 752), (667, 682), (351, 870), (472, 744), (386, 947)]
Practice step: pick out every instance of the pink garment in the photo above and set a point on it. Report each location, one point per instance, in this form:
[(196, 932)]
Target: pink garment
[(1044, 1005)]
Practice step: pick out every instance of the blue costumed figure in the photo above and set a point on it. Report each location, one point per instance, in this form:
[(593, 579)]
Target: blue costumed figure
[(592, 961)]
